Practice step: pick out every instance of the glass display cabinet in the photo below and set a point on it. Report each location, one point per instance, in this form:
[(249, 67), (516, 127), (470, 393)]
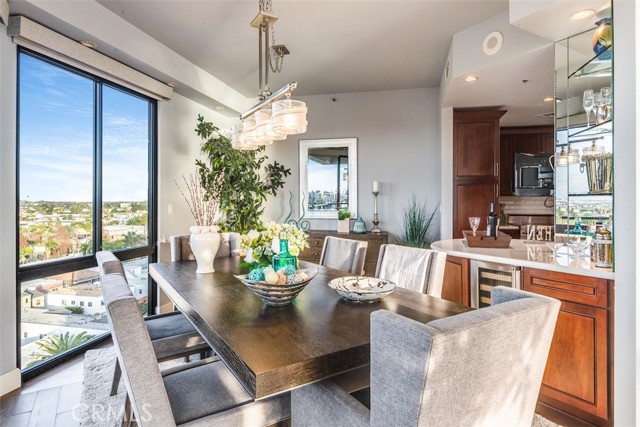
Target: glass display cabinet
[(584, 112)]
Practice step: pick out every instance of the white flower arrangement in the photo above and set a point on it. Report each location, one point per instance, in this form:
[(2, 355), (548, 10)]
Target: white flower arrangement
[(264, 245)]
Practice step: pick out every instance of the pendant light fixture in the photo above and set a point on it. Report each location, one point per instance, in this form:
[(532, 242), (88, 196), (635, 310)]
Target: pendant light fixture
[(276, 115)]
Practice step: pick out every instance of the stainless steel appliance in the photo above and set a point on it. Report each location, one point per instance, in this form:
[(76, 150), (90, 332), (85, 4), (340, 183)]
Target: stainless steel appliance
[(486, 275), (534, 174)]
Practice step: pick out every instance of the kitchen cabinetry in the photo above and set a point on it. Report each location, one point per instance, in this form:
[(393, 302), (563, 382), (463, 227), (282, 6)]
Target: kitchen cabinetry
[(316, 240), (531, 139), (578, 70), (476, 164), (579, 373), (455, 286)]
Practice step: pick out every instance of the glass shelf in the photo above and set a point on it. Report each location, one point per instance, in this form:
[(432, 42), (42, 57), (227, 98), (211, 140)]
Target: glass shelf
[(598, 66), (590, 194), (603, 128)]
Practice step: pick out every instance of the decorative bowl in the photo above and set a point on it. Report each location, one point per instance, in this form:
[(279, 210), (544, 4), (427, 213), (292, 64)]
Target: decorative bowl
[(277, 295), (362, 289)]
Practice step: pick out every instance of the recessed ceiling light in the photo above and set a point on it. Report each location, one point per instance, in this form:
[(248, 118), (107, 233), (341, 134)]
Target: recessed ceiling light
[(88, 43), (548, 99), (172, 84), (582, 14), (471, 78)]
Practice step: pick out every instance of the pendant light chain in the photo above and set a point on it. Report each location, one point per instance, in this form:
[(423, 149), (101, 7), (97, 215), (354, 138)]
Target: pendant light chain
[(278, 54)]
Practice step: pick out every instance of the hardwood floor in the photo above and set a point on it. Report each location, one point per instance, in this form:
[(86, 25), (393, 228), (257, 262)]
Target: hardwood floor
[(47, 400)]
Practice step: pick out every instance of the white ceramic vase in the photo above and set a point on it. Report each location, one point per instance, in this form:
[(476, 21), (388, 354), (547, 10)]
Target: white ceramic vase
[(343, 226), (204, 242)]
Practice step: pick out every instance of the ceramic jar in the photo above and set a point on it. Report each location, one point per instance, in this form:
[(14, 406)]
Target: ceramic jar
[(205, 242)]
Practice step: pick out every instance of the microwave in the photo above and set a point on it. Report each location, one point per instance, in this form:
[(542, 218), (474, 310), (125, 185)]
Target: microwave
[(534, 174)]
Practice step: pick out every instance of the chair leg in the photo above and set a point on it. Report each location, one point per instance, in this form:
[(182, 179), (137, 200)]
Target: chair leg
[(128, 413), (117, 373)]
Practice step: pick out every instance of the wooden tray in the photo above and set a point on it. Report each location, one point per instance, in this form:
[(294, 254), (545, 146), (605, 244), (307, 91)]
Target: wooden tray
[(481, 240)]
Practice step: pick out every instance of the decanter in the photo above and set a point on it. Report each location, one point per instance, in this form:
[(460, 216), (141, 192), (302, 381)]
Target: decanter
[(284, 258)]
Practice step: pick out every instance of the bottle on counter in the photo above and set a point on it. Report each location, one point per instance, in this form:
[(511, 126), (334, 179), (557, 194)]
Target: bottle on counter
[(492, 221), (284, 258)]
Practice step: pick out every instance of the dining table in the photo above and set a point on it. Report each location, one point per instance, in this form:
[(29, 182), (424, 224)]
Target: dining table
[(271, 349)]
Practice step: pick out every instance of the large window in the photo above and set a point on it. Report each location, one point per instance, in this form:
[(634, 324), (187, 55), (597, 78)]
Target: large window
[(85, 183)]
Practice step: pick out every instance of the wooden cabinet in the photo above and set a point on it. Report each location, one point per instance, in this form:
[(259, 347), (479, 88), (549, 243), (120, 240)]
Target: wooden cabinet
[(533, 140), (476, 161), (316, 240), (578, 376), (455, 286)]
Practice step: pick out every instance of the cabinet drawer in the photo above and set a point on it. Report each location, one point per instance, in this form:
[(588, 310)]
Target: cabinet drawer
[(567, 287)]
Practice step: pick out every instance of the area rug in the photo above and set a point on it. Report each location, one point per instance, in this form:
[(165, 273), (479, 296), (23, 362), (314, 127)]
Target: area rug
[(97, 408)]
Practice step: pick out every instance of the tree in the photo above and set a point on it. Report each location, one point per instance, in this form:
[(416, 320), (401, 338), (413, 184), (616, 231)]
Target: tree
[(244, 190), (132, 239), (75, 310), (57, 344)]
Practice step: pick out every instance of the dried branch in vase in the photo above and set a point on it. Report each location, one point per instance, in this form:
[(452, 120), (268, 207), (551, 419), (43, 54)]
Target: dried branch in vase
[(202, 203)]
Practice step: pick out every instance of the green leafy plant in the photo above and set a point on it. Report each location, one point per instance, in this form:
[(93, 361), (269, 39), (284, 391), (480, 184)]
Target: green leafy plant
[(75, 310), (244, 189), (57, 344), (417, 223), (344, 214)]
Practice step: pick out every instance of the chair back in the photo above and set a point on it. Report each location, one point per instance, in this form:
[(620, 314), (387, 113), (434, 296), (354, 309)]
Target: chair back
[(479, 368), (142, 377), (181, 248), (108, 263), (344, 254), (417, 269)]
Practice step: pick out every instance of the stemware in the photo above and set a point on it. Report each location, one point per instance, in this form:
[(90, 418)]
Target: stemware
[(474, 222), (588, 103), (600, 108), (578, 244)]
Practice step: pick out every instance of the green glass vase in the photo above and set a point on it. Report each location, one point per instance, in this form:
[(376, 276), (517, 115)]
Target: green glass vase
[(284, 258)]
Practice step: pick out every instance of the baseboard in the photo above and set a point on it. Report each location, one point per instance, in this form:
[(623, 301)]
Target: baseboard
[(10, 381)]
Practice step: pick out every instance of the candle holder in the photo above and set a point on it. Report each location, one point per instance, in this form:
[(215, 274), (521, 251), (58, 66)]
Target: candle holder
[(375, 228)]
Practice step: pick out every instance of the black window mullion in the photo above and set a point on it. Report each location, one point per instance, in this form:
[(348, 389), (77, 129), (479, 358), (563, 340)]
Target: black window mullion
[(152, 205), (97, 165)]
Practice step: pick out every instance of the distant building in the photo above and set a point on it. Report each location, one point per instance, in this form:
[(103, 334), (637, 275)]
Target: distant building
[(31, 298), (86, 296)]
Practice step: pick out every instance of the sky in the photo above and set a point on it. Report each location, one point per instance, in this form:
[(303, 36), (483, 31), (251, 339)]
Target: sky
[(56, 137), (323, 177)]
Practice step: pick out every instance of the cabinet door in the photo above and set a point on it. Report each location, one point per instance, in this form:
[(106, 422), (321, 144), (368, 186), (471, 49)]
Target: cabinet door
[(472, 199), (507, 165), (548, 142), (476, 144), (576, 379), (455, 286), (528, 143)]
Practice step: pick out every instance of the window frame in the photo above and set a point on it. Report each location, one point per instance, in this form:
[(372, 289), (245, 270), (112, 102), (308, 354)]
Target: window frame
[(32, 272)]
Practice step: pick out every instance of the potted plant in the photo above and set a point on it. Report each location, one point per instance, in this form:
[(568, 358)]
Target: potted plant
[(417, 222), (244, 177), (343, 221), (204, 240)]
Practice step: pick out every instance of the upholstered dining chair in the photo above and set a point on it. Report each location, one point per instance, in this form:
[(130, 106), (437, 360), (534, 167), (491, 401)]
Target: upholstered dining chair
[(479, 368), (417, 269), (344, 254), (205, 394), (172, 335), (181, 249)]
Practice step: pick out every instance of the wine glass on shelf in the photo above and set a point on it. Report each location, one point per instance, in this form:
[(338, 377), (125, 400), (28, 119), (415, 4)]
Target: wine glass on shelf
[(588, 103), (474, 222), (605, 93)]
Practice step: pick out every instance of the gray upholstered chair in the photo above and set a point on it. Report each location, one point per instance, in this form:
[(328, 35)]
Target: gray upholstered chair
[(181, 249), (480, 368), (205, 394), (417, 269), (172, 335), (344, 254)]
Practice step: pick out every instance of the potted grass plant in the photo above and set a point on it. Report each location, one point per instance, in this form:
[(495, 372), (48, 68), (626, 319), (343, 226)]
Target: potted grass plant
[(417, 222)]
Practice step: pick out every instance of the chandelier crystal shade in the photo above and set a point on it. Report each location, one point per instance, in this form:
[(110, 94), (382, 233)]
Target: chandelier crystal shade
[(276, 115)]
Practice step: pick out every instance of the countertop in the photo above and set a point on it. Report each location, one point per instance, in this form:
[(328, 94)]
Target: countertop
[(526, 253)]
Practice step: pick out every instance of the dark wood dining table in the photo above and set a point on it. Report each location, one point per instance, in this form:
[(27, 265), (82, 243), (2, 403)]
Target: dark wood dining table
[(275, 349)]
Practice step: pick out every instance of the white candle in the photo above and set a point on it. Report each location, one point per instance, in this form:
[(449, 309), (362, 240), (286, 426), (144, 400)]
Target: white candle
[(376, 186)]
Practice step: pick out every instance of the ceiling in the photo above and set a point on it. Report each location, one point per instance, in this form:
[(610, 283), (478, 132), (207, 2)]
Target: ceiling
[(336, 46), (340, 46)]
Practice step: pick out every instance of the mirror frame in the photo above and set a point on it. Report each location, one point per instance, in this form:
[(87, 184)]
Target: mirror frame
[(303, 184)]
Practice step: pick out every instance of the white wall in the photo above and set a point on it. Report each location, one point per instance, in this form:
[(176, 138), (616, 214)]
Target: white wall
[(9, 378), (398, 144), (626, 134)]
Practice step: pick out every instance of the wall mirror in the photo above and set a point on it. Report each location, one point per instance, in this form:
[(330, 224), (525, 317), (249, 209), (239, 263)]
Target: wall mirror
[(328, 177)]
